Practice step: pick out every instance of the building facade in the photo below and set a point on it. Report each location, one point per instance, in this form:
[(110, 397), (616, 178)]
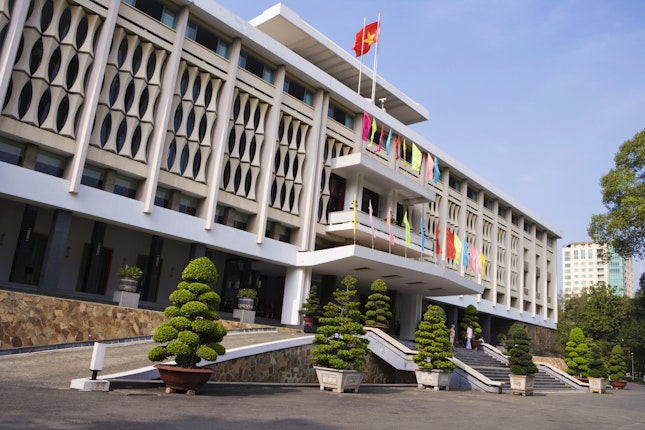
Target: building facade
[(587, 263), (151, 132)]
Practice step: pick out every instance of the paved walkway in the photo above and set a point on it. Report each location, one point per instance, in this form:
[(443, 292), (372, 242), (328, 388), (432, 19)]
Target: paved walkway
[(35, 395)]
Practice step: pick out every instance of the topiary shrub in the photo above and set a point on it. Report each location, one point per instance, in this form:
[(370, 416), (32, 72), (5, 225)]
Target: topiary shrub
[(597, 366), (576, 353), (311, 306), (617, 365), (520, 358), (192, 332), (471, 318), (377, 308), (340, 338), (433, 341)]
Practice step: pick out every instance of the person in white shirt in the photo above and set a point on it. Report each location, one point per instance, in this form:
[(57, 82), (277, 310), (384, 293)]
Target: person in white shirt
[(469, 337)]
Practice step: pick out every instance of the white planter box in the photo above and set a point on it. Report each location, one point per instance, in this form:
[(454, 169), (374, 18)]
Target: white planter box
[(435, 378), (339, 380), (597, 385), (522, 384)]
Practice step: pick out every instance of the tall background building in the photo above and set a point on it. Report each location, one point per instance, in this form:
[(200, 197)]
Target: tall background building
[(587, 263)]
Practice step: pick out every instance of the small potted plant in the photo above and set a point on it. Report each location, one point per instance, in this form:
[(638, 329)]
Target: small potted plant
[(597, 371), (246, 298), (576, 354), (129, 278), (522, 367), (193, 332), (471, 319), (340, 352), (434, 350), (617, 368), (311, 310), (377, 308)]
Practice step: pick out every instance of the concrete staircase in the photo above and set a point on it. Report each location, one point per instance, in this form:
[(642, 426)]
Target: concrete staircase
[(498, 371)]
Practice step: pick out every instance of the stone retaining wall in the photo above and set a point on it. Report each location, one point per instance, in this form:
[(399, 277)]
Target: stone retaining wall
[(28, 320)]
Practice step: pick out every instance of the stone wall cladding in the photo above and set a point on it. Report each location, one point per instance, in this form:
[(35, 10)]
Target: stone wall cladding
[(31, 320)]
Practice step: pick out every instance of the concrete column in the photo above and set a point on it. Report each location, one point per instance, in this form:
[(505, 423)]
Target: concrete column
[(220, 135), (296, 284), (163, 113), (11, 43), (268, 151), (55, 252), (92, 94), (410, 312)]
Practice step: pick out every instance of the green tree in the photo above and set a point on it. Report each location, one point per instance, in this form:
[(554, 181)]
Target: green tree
[(433, 341), (340, 338), (623, 194), (617, 364), (597, 366), (576, 354), (598, 312), (520, 357), (471, 318), (377, 308)]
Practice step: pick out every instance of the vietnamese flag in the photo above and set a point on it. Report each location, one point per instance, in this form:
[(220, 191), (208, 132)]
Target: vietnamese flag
[(436, 240), (365, 38), (451, 252)]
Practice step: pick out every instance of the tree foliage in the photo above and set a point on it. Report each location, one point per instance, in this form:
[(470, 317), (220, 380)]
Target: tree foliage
[(623, 194), (577, 354), (340, 338), (617, 365), (520, 357), (471, 318), (377, 308), (433, 341)]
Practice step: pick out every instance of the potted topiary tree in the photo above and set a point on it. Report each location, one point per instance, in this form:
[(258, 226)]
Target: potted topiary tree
[(246, 298), (340, 354), (310, 310), (617, 368), (576, 354), (434, 350), (597, 370), (377, 308), (471, 319), (521, 361), (193, 332), (129, 278)]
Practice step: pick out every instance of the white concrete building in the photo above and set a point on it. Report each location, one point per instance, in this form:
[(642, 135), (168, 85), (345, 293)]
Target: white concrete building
[(589, 263), (151, 132)]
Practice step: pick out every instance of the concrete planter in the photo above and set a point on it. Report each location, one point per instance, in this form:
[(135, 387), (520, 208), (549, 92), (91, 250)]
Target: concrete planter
[(522, 384), (597, 385), (435, 378), (339, 380)]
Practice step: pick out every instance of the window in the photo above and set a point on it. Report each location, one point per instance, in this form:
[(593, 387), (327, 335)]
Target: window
[(208, 39), (162, 197), (472, 194), (337, 114), (157, 10), (257, 67), (125, 186), (501, 211), (370, 196), (49, 163), (515, 220), (188, 205), (454, 183), (93, 176), (11, 152), (298, 91), (488, 203)]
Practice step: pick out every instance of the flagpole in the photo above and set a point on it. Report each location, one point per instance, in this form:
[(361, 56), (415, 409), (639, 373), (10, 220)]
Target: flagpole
[(360, 69), (378, 38)]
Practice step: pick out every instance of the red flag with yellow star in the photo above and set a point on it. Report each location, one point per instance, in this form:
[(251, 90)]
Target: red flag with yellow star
[(365, 38)]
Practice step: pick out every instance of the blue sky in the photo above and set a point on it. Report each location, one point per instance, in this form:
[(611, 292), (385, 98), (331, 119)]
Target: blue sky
[(536, 96)]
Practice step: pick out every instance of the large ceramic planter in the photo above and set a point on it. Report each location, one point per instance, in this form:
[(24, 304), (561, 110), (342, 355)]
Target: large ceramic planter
[(337, 380), (245, 303), (435, 378), (522, 384), (618, 385), (597, 385), (181, 379), (128, 284)]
